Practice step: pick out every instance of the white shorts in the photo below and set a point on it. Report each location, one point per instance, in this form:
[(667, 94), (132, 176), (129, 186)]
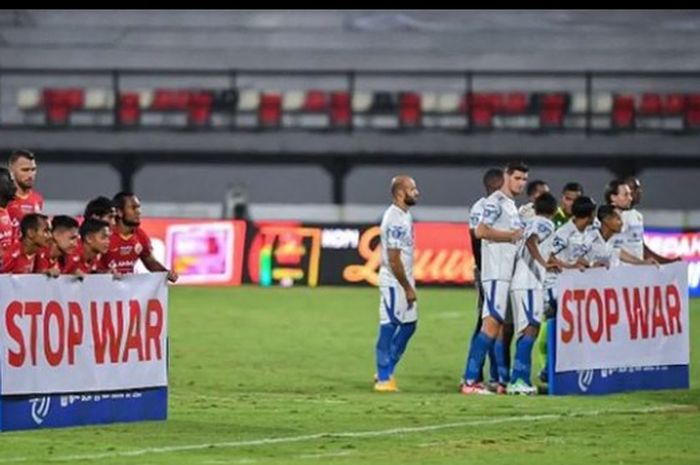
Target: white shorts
[(495, 299), (393, 307), (528, 307)]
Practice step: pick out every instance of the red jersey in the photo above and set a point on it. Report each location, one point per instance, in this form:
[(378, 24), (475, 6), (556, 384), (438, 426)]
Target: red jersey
[(32, 203), (45, 262), (125, 250), (6, 231), (15, 261), (77, 261)]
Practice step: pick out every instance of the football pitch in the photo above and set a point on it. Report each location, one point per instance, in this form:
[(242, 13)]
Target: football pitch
[(263, 376)]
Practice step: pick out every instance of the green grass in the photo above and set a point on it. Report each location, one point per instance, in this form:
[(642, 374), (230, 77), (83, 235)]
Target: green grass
[(249, 364)]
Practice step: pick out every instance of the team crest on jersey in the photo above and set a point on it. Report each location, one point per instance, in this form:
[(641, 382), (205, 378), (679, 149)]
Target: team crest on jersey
[(138, 248), (396, 232)]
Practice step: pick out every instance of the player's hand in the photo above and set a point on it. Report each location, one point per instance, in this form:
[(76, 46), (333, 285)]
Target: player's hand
[(411, 296), (116, 275), (554, 265), (53, 272), (582, 264), (79, 275), (677, 259), (516, 235), (652, 261), (173, 276)]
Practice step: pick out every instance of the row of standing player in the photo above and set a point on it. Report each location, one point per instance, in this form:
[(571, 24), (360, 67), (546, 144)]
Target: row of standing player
[(516, 268), (109, 240)]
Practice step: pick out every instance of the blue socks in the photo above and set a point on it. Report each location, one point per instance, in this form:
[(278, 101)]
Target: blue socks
[(480, 346), (523, 359), (391, 345), (501, 363)]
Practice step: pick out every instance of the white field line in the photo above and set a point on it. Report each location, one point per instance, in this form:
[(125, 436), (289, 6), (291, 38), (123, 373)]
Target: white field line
[(203, 397), (347, 434)]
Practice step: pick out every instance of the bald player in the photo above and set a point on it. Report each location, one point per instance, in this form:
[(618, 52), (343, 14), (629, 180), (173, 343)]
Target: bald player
[(398, 307)]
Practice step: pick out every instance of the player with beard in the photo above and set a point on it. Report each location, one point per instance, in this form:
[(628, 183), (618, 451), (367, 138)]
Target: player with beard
[(129, 242), (22, 165), (398, 307)]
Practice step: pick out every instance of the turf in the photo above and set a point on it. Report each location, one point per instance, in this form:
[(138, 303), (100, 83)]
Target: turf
[(284, 376)]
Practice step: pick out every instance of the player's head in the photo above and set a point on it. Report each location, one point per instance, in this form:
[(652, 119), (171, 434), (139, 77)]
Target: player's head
[(128, 209), (7, 187), (404, 190), (493, 180), (636, 188), (65, 233), (618, 193), (101, 208), (95, 235), (514, 178), (570, 192), (609, 216), (22, 164), (35, 229), (583, 208), (535, 189), (545, 205)]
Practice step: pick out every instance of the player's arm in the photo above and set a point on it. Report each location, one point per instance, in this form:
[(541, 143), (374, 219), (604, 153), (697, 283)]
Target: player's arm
[(532, 246), (154, 265), (400, 274), (627, 257), (485, 229), (650, 254)]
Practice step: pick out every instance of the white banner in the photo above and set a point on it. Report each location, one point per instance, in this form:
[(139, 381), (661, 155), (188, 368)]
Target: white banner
[(99, 334), (625, 316)]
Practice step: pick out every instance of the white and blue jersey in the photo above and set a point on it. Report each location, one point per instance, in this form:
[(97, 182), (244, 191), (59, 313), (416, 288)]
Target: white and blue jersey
[(632, 234), (396, 233), (498, 258)]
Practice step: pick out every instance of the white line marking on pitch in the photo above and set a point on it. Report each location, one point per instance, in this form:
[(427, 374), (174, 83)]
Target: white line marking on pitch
[(348, 434)]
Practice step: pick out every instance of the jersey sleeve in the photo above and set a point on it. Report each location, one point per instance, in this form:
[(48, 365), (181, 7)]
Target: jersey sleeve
[(146, 246), (491, 212), (559, 243), (397, 232), (9, 261), (541, 229)]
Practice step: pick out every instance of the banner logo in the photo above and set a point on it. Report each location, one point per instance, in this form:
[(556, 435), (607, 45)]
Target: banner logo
[(40, 408)]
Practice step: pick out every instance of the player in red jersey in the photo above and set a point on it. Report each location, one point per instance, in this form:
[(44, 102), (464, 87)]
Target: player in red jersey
[(21, 257), (86, 259), (129, 242), (64, 241), (7, 193), (22, 165)]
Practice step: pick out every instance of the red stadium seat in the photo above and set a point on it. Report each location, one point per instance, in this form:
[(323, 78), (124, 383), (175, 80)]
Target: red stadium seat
[(623, 112), (673, 104), (60, 102), (129, 110), (410, 111), (316, 101), (692, 114), (341, 111), (552, 110), (170, 100), (650, 105), (483, 108), (270, 110), (199, 108), (515, 103)]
